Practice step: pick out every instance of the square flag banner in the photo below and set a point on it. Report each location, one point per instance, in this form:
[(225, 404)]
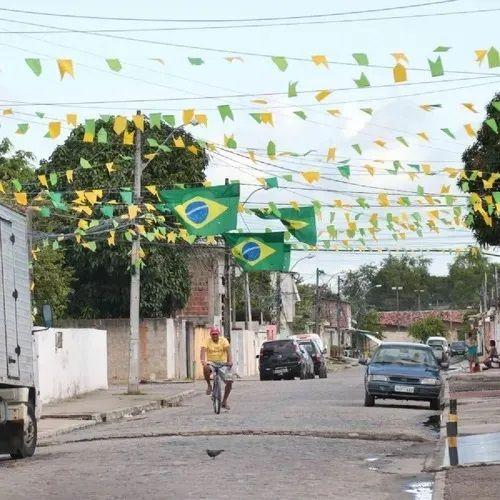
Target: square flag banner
[(259, 251), (205, 211)]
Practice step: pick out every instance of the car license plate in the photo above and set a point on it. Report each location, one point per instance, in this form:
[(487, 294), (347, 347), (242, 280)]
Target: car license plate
[(404, 388), (280, 370)]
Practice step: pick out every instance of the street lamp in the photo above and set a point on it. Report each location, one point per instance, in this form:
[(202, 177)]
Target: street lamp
[(397, 289), (319, 272), (308, 256), (419, 291)]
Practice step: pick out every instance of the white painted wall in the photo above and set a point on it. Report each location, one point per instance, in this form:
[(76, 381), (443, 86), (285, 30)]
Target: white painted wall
[(79, 365), (245, 345)]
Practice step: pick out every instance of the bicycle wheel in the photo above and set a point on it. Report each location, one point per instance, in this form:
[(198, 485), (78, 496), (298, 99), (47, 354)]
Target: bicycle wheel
[(216, 396)]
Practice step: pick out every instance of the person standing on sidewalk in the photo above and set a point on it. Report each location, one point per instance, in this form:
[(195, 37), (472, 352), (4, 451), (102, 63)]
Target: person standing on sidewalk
[(472, 350), (492, 354)]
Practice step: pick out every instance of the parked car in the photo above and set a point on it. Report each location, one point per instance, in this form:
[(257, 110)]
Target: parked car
[(458, 348), (439, 346), (307, 361), (404, 371), (317, 356), (282, 359), (310, 336), (439, 341)]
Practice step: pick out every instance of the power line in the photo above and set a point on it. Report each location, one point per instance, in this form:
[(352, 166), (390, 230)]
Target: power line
[(305, 16)]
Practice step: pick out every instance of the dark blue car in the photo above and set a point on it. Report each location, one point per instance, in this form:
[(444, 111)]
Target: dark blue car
[(406, 371)]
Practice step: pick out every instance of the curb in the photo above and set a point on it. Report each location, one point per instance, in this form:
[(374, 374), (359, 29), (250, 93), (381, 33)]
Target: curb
[(90, 419)]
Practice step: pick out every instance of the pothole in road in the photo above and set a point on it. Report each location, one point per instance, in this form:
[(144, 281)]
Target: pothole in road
[(433, 423), (421, 490)]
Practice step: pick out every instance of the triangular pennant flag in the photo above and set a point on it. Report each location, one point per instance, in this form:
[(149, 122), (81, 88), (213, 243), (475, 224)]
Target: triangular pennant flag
[(280, 62), (65, 67), (34, 65), (114, 64), (319, 60)]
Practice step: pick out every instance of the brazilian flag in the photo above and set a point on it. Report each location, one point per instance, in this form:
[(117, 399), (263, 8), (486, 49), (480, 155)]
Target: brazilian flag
[(205, 211), (259, 251), (300, 222)]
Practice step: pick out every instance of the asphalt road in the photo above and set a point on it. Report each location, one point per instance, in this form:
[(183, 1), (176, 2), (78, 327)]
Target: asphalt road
[(283, 439)]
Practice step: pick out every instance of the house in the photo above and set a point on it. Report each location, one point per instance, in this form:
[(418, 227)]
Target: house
[(336, 315)]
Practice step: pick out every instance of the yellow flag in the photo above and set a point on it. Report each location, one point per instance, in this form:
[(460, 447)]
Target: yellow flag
[(423, 136), (241, 208), (150, 156), (251, 155), (138, 122), (187, 116), (110, 167), (445, 189), (83, 224), (211, 240), (380, 142), (399, 72), (322, 94), (54, 129), (370, 169), (21, 198), (470, 131), (480, 55), (267, 118), (43, 181), (383, 200), (120, 125), (7, 111), (179, 142), (338, 203), (171, 237), (111, 238), (65, 67), (2, 190), (152, 189), (452, 172), (334, 112), (310, 176), (426, 107), (400, 56), (320, 60), (231, 59), (330, 156), (91, 197), (412, 175), (259, 101), (294, 205), (132, 211), (469, 106), (71, 119), (128, 138), (201, 119), (149, 207), (192, 149), (140, 229)]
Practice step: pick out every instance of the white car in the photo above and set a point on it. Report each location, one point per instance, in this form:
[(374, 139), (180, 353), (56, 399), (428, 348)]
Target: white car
[(310, 336), (439, 341), (441, 349)]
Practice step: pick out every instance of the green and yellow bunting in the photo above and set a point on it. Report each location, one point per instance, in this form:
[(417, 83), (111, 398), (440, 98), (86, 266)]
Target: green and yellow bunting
[(259, 251), (205, 211)]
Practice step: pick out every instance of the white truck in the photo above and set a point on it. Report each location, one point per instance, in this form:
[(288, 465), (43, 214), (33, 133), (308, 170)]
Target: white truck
[(18, 392)]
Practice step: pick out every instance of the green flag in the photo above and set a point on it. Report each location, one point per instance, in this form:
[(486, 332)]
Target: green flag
[(300, 222), (205, 211), (259, 251)]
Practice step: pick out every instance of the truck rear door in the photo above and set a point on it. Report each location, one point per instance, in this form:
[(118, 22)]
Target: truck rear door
[(8, 299)]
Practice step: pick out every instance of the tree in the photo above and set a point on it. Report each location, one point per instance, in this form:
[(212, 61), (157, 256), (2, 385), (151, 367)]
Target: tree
[(480, 161), (370, 322), (102, 277), (52, 280), (466, 277), (357, 288), (263, 298), (15, 164), (428, 327), (304, 309)]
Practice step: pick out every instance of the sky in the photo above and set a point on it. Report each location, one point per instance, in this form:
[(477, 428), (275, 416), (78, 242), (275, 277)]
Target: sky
[(159, 70)]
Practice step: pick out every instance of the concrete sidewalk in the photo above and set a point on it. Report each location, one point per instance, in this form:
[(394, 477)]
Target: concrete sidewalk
[(112, 404), (478, 412)]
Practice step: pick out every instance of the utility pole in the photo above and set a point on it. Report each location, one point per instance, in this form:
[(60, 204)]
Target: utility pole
[(227, 289), (397, 288), (248, 305), (485, 295), (496, 287), (233, 294), (135, 276), (317, 305), (279, 303), (339, 306), (419, 291)]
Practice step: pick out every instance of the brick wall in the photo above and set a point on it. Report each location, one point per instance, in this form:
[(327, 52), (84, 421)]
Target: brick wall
[(407, 318)]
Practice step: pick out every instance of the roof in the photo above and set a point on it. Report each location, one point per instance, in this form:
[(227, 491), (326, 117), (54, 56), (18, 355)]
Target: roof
[(407, 318)]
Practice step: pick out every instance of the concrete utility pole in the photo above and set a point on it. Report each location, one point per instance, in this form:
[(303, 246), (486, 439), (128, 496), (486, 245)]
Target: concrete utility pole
[(135, 276), (227, 287), (317, 304), (397, 288), (339, 306), (419, 292), (278, 303), (248, 305)]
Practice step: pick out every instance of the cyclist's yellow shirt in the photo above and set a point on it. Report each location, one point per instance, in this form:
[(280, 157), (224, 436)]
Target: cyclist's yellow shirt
[(217, 351)]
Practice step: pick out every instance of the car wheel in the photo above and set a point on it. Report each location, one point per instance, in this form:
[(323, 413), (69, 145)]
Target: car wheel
[(27, 436), (264, 377), (435, 404), (369, 399), (302, 374), (323, 373)]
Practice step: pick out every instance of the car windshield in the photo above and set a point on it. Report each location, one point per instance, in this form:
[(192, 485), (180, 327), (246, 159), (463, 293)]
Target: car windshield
[(278, 347), (403, 355), (458, 344), (435, 343)]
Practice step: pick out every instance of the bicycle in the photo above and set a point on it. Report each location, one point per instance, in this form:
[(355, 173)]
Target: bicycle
[(216, 385)]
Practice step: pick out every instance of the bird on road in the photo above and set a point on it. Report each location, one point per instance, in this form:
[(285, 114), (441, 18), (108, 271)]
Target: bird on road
[(213, 453)]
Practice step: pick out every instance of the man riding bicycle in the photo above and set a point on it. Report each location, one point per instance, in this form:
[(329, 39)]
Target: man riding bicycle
[(217, 351)]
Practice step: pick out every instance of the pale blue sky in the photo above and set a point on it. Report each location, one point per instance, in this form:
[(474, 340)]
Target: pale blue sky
[(143, 78)]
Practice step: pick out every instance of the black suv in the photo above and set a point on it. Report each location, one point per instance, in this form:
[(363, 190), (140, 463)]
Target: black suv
[(281, 359), (317, 356)]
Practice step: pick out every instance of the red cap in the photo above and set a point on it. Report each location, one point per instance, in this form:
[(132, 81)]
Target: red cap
[(214, 331)]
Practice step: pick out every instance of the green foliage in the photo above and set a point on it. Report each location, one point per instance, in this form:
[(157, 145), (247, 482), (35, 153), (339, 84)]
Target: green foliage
[(370, 322), (15, 164), (102, 279), (429, 327), (53, 280), (483, 156), (304, 310), (262, 296)]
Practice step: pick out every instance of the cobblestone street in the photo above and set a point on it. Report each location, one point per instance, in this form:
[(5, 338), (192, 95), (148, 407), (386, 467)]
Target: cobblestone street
[(347, 450)]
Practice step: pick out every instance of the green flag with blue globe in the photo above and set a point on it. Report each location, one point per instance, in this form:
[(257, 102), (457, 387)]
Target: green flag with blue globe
[(204, 211), (300, 221), (259, 251)]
